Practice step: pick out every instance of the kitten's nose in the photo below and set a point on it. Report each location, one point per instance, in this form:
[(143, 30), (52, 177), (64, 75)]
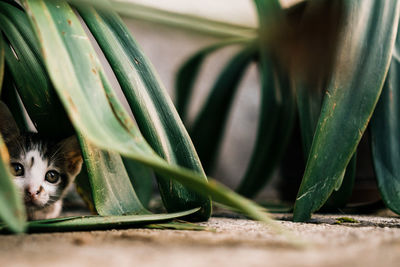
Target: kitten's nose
[(34, 193)]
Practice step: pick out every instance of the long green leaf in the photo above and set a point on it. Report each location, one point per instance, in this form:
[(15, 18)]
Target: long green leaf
[(141, 178), (364, 55), (100, 222), (112, 190), (276, 110), (385, 135), (309, 103), (2, 63), (209, 126), (188, 72), (82, 95), (150, 103), (10, 97), (20, 20), (12, 211), (31, 79), (189, 22), (340, 196)]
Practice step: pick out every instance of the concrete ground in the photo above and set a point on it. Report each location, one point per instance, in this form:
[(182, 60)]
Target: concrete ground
[(372, 241)]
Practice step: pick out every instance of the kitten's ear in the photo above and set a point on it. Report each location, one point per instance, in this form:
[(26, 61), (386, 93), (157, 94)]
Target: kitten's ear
[(72, 154), (8, 126)]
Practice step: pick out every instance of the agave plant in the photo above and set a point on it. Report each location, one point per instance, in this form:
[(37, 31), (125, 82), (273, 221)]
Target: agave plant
[(48, 64), (325, 64)]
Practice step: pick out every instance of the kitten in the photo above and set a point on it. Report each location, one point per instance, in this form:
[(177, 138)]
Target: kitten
[(42, 169)]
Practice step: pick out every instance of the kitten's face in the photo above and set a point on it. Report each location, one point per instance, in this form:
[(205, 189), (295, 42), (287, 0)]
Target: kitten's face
[(42, 169)]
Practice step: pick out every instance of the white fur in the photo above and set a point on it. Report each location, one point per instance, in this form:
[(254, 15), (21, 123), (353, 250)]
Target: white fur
[(34, 178)]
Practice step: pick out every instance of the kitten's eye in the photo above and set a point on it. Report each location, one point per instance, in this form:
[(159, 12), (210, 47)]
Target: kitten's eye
[(17, 169), (52, 177)]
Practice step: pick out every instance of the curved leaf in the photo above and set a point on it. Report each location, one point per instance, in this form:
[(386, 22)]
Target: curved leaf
[(101, 223), (309, 102), (189, 22), (30, 76), (112, 191), (363, 59), (187, 74), (10, 97), (12, 210), (277, 108), (2, 63), (209, 126), (385, 135), (277, 111)]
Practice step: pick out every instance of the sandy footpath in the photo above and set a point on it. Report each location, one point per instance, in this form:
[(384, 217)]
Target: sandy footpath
[(374, 241)]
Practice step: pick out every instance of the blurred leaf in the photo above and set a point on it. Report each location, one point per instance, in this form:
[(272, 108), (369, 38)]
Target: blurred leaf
[(209, 126), (178, 225), (363, 59), (309, 102), (1, 63), (12, 210), (188, 72), (304, 37), (385, 135), (277, 111), (189, 22)]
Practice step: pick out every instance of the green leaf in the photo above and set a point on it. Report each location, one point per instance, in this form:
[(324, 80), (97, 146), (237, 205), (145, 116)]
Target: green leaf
[(101, 222), (177, 225), (277, 109), (12, 211), (277, 112), (29, 75), (20, 20), (188, 72), (209, 126), (141, 178), (364, 54), (112, 190), (74, 70), (385, 135), (1, 63), (84, 189), (10, 97), (189, 22), (153, 110), (309, 102), (340, 197)]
